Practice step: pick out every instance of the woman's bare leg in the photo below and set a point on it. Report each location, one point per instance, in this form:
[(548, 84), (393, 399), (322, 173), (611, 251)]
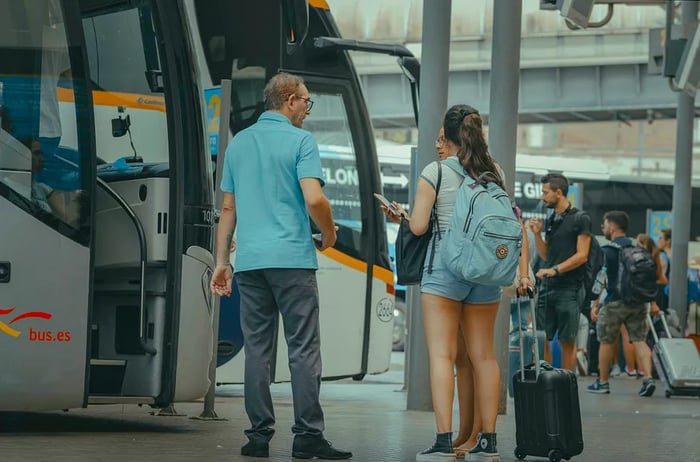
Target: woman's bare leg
[(441, 324), (465, 391), (478, 321)]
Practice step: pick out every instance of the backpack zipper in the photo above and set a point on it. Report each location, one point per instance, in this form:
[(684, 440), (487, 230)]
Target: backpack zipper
[(501, 236), (471, 208), (506, 220)]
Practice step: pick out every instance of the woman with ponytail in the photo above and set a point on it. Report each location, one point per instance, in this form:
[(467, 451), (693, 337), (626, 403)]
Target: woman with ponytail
[(448, 301)]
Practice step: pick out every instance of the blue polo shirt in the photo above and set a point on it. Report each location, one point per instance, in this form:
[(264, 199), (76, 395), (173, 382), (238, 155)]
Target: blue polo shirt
[(264, 164)]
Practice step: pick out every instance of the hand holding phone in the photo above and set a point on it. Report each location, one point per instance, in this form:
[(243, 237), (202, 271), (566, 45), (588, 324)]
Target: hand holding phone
[(389, 206)]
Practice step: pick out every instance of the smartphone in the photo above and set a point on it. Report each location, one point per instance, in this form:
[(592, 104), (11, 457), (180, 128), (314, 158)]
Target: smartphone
[(387, 204)]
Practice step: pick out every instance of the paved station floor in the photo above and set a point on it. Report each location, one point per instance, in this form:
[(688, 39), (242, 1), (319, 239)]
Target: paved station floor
[(367, 417)]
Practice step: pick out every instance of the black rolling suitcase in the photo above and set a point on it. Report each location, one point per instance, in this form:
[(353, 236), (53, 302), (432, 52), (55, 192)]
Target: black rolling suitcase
[(547, 412)]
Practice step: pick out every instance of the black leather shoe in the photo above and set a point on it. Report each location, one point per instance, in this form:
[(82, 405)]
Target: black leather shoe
[(256, 449), (310, 448)]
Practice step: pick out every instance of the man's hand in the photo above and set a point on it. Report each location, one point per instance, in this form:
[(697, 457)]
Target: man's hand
[(594, 312), (535, 225), (655, 310), (221, 280), (327, 240), (546, 273)]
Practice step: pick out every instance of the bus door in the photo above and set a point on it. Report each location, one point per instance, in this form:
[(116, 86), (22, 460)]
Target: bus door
[(46, 206), (151, 326)]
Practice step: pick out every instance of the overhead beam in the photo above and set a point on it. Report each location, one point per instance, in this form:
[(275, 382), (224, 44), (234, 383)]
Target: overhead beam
[(559, 94), (583, 116)]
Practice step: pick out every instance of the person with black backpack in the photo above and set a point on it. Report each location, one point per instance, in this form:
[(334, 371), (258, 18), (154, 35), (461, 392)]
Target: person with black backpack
[(631, 287)]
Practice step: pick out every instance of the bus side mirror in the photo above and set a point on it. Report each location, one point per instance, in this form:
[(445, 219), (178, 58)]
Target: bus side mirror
[(411, 69), (296, 15)]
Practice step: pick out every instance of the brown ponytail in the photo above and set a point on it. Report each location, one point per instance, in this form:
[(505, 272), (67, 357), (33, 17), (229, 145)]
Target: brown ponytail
[(464, 127)]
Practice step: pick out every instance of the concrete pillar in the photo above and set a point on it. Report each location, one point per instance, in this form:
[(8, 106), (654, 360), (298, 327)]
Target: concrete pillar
[(433, 101), (503, 131), (682, 190)]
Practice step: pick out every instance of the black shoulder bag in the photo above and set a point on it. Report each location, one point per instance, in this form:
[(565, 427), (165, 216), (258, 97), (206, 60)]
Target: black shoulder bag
[(411, 250)]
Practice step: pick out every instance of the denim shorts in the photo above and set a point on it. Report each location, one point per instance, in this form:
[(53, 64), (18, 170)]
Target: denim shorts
[(444, 283)]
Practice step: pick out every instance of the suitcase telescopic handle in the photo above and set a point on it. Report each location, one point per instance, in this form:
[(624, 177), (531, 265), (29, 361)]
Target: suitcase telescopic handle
[(533, 315), (653, 331)]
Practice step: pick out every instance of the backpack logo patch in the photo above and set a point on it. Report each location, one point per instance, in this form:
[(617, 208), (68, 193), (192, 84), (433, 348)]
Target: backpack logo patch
[(502, 251)]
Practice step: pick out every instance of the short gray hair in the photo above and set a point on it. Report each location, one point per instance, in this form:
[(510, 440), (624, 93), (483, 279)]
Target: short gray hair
[(279, 88)]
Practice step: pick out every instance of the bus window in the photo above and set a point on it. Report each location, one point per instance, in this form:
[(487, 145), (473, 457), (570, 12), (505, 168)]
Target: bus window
[(246, 96), (124, 67), (39, 160), (329, 124)]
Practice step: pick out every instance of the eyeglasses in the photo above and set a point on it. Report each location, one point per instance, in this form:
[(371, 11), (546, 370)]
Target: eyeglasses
[(440, 140), (309, 103)]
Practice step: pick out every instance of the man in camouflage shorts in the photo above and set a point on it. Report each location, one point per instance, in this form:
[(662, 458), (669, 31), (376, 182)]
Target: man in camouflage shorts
[(614, 313)]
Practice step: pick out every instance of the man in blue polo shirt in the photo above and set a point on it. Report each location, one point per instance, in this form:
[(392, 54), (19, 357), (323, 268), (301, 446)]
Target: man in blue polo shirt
[(272, 182)]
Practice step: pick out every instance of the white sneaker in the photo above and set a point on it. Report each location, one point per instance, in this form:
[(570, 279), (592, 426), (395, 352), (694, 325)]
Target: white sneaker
[(615, 371), (582, 363)]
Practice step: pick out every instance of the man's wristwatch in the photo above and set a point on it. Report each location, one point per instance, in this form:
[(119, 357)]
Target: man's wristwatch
[(556, 270)]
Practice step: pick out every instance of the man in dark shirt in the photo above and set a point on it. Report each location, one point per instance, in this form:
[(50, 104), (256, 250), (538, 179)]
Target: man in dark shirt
[(614, 313), (564, 251)]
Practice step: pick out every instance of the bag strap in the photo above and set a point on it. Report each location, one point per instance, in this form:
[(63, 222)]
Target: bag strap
[(667, 260), (454, 164), (434, 219), (615, 245)]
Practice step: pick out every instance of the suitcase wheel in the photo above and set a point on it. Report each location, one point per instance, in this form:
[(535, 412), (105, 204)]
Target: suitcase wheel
[(519, 454), (554, 455)]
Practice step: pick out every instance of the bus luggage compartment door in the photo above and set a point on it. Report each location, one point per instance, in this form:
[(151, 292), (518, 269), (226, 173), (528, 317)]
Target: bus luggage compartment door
[(196, 335), (43, 315)]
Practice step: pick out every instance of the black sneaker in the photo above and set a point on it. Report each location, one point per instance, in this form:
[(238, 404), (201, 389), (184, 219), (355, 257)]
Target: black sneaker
[(256, 449), (485, 449), (317, 447), (648, 388), (440, 451)]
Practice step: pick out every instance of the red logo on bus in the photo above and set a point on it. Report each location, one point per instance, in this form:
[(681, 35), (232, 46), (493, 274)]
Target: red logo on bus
[(34, 335)]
